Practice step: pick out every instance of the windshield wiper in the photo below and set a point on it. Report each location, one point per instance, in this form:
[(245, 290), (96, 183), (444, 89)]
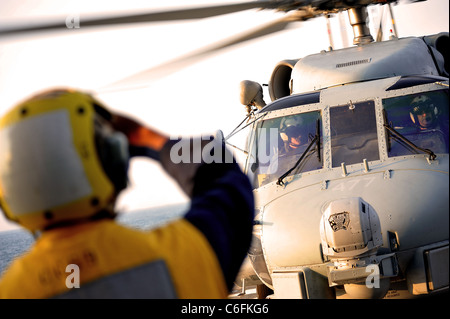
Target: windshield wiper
[(391, 131), (315, 140), (318, 140)]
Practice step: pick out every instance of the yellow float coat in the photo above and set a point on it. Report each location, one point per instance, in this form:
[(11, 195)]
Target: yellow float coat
[(104, 248)]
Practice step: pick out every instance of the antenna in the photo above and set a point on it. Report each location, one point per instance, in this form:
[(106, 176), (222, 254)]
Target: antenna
[(393, 21), (330, 36), (343, 24)]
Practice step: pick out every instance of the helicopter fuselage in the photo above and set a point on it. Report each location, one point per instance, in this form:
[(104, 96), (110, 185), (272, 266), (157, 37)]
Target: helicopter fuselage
[(362, 203)]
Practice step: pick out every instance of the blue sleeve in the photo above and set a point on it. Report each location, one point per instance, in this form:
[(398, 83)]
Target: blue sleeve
[(222, 204), (222, 209)]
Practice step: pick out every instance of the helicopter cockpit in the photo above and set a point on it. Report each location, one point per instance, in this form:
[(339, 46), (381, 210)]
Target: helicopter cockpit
[(279, 144), (289, 134), (422, 119)]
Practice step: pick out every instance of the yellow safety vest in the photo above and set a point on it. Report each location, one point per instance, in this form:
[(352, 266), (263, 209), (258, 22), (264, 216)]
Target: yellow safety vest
[(105, 249)]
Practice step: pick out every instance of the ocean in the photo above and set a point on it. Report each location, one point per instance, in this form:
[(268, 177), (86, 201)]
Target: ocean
[(14, 243)]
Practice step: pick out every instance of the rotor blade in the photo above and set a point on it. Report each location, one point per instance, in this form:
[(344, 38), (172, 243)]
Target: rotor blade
[(144, 78), (171, 15)]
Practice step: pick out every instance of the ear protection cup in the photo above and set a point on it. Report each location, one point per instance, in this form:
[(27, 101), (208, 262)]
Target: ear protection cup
[(413, 117), (115, 159), (113, 152)]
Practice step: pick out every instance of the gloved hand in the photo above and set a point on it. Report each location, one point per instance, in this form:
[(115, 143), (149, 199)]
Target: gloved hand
[(142, 140)]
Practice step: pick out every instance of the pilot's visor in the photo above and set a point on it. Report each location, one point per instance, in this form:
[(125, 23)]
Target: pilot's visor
[(293, 131), (422, 108)]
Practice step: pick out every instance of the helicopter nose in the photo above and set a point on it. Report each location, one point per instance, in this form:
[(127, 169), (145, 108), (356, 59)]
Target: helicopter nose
[(350, 233), (350, 227)]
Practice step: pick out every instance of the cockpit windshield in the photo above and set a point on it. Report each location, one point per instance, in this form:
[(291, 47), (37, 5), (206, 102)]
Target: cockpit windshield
[(353, 133), (421, 118), (278, 144)]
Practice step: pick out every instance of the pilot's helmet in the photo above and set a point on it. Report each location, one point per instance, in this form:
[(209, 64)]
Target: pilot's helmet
[(291, 127), (60, 160), (420, 105)]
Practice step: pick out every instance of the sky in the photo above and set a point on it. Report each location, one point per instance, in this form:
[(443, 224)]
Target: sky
[(201, 98)]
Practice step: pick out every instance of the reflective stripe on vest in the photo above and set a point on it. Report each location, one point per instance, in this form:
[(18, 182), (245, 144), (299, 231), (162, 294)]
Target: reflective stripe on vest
[(151, 280)]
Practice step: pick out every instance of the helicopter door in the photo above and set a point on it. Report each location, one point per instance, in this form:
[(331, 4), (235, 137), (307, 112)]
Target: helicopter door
[(421, 118), (353, 133)]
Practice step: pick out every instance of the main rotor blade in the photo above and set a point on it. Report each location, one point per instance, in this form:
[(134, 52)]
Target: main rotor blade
[(190, 13), (171, 15), (144, 78)]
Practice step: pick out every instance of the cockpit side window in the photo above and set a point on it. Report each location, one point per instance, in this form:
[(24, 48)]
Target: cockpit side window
[(279, 143), (353, 133), (422, 119)]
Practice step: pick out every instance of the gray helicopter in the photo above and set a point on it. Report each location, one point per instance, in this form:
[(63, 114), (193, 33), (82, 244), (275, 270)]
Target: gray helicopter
[(351, 183), (349, 161)]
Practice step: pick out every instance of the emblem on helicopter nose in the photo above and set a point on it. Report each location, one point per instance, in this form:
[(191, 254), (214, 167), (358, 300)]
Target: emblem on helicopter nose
[(339, 221)]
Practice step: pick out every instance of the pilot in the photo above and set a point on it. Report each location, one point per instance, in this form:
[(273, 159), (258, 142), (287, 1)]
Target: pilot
[(290, 142), (291, 133), (63, 162), (423, 112)]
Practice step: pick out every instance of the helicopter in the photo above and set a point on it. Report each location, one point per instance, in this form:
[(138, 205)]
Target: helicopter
[(348, 205), (359, 208)]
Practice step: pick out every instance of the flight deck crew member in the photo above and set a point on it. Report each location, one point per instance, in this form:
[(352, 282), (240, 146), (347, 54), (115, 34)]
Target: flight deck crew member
[(64, 160)]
